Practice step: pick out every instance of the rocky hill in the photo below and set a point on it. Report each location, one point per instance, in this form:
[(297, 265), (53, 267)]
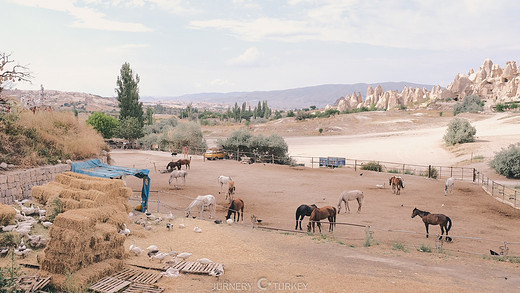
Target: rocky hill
[(490, 82)]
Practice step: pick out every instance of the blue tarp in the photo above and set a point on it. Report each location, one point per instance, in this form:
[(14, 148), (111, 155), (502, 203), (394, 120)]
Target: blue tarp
[(97, 169)]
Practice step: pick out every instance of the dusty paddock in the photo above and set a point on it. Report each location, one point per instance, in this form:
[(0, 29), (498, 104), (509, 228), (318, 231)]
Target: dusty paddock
[(339, 262)]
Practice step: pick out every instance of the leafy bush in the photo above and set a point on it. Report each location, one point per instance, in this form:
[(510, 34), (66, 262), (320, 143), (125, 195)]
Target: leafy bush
[(471, 104), (507, 161), (104, 124), (372, 166), (260, 146), (459, 131), (433, 173), (500, 107)]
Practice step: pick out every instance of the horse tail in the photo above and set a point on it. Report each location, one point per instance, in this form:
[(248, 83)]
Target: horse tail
[(449, 224)]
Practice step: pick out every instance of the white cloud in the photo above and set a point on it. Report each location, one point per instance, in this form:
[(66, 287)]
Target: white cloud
[(250, 57), (85, 17), (175, 7), (221, 82)]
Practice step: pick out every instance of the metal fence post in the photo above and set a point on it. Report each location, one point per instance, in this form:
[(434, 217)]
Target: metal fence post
[(158, 200), (312, 162), (355, 165)]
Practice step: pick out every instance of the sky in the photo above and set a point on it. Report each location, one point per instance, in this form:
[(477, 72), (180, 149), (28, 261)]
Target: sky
[(182, 47)]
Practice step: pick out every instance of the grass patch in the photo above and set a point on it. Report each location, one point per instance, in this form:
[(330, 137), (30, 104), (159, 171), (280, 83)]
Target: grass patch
[(425, 248), (399, 246), (503, 258)]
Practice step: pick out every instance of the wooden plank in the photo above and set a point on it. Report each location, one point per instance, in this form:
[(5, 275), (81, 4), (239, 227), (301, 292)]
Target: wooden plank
[(109, 285), (142, 288)]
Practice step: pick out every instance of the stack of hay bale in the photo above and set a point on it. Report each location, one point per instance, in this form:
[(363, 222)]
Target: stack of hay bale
[(84, 239)]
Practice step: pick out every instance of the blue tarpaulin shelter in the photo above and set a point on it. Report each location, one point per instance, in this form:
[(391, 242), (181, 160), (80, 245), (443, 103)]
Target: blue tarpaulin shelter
[(97, 169)]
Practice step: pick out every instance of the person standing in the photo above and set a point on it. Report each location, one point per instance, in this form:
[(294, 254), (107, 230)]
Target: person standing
[(185, 151)]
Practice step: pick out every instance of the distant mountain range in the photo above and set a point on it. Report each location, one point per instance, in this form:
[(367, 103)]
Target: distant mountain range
[(319, 96)]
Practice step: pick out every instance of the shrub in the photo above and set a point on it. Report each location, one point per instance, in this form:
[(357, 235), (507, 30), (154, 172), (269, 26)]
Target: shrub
[(459, 131), (500, 107), (471, 104), (399, 246), (372, 166), (507, 161), (425, 248)]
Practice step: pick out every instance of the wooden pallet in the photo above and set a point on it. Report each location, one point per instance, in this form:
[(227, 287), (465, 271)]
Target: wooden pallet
[(143, 288), (33, 283), (109, 285), (137, 276), (199, 268)]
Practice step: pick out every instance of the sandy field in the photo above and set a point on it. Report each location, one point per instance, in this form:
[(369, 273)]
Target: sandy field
[(288, 261), (380, 249)]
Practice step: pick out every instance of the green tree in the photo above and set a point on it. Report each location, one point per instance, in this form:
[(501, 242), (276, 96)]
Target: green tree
[(507, 161), (104, 124), (188, 134), (459, 131), (149, 116), (471, 104), (128, 96), (130, 128)]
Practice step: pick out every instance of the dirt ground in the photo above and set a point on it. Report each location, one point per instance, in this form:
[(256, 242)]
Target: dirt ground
[(287, 261)]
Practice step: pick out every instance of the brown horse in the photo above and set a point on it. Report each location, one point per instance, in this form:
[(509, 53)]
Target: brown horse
[(396, 183), (172, 165), (185, 162), (434, 219), (326, 212), (236, 207)]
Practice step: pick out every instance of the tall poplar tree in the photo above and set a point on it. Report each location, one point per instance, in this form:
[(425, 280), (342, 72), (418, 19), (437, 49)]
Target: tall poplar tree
[(128, 95)]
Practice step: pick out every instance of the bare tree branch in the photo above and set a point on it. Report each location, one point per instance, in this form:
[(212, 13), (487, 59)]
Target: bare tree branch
[(10, 72)]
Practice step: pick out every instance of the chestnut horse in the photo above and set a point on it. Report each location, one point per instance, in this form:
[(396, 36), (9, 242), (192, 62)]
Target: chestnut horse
[(434, 219), (185, 162), (301, 212), (236, 207), (318, 214), (396, 183)]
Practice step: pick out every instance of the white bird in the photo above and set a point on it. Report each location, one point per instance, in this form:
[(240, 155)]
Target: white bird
[(47, 224), (8, 228), (28, 210), (169, 226), (172, 252), (171, 272), (21, 246), (160, 256), (216, 272), (152, 247), (197, 230), (204, 260), (229, 221), (183, 255), (150, 216), (125, 231), (135, 249), (131, 215), (41, 212), (381, 186), (181, 225), (170, 216), (4, 251), (22, 253)]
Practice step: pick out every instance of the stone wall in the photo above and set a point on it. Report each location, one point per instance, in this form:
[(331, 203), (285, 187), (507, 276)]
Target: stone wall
[(17, 184)]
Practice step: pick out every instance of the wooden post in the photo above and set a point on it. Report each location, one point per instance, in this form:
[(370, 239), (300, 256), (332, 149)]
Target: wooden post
[(355, 165), (403, 168), (158, 200), (272, 159), (312, 162)]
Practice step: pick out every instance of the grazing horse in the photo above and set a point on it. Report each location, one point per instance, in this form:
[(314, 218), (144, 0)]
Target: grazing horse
[(177, 174), (448, 186), (236, 207), (318, 214), (171, 165), (434, 219), (185, 162), (231, 190), (301, 212), (223, 180), (347, 195), (202, 202), (396, 183)]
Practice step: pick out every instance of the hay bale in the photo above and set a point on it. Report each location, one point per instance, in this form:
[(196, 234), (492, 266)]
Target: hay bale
[(7, 214), (44, 194)]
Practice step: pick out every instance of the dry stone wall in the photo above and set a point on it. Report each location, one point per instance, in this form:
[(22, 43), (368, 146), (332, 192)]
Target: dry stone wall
[(18, 184)]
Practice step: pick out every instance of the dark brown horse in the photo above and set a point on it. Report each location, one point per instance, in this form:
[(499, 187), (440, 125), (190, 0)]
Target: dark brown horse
[(318, 214), (301, 212), (236, 207), (185, 162), (172, 165), (434, 219)]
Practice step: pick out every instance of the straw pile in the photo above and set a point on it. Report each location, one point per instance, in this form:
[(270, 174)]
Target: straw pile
[(86, 235), (7, 214)]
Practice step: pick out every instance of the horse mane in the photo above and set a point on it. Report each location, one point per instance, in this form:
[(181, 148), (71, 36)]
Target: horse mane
[(422, 212)]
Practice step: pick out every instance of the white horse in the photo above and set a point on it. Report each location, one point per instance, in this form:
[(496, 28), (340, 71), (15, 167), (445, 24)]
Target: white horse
[(347, 195), (223, 180), (450, 182), (177, 174), (203, 202)]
